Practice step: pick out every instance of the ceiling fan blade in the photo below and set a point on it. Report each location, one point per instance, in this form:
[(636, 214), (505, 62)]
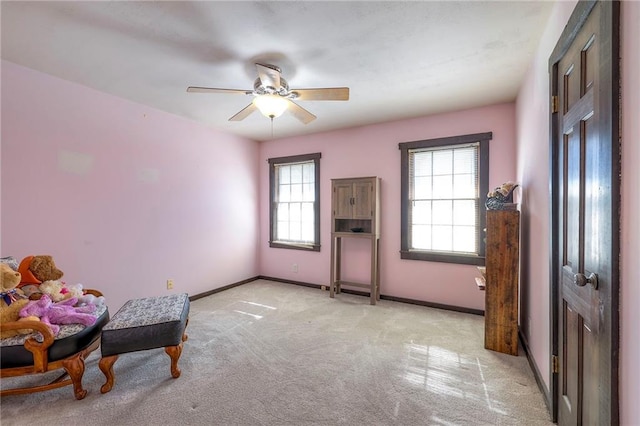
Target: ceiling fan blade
[(325, 94), (269, 77), (300, 113), (194, 89), (244, 113)]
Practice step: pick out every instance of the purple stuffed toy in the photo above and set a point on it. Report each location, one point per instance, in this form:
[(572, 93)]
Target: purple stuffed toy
[(59, 313)]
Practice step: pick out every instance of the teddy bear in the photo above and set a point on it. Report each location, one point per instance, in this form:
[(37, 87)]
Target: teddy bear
[(35, 270), (60, 313), (12, 300), (58, 290), (38, 269)]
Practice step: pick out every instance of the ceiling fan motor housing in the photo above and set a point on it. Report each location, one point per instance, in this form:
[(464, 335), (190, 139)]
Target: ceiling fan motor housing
[(260, 89)]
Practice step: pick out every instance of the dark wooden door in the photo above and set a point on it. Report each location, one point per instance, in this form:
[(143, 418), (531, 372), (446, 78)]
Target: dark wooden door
[(586, 186)]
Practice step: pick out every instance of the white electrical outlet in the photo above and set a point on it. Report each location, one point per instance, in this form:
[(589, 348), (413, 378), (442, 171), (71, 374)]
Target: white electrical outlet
[(294, 268), (169, 284)]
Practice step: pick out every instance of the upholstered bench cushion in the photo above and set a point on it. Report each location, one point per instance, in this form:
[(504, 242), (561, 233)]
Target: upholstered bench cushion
[(148, 323), (71, 339)]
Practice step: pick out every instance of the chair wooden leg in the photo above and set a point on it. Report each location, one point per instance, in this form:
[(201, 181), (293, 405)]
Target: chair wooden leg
[(174, 352), (106, 366), (75, 368)]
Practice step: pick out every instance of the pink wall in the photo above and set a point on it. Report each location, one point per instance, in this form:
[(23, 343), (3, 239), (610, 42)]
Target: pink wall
[(630, 288), (533, 157), (373, 151), (123, 196), (532, 117)]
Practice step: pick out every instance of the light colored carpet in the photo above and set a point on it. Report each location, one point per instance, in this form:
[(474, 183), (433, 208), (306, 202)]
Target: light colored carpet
[(268, 353)]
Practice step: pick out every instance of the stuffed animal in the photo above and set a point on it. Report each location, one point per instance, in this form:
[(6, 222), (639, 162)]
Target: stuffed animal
[(73, 290), (12, 300), (38, 269), (55, 314), (91, 299), (52, 288), (11, 261), (58, 290)]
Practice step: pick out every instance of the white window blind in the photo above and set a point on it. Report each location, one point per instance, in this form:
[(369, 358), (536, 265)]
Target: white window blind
[(444, 198)]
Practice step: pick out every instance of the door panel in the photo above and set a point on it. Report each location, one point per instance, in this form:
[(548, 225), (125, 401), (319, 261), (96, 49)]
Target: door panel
[(363, 208), (343, 200), (571, 363)]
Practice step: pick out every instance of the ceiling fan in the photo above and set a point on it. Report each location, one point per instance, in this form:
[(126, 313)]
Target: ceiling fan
[(272, 95)]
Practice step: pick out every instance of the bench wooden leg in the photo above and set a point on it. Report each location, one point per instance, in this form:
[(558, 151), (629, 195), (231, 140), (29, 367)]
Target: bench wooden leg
[(174, 352), (106, 366), (74, 366), (184, 332)]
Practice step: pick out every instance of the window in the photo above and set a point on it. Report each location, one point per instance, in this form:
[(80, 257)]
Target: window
[(295, 202), (444, 185)]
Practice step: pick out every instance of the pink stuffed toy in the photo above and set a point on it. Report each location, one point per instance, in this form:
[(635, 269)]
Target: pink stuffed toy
[(59, 313)]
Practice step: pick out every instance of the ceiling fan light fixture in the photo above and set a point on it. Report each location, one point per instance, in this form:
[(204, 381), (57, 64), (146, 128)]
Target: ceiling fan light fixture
[(271, 106)]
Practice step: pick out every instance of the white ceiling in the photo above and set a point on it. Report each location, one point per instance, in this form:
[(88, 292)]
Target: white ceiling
[(399, 59)]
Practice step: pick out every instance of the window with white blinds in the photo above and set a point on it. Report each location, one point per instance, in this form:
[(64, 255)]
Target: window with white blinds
[(295, 203), (443, 199)]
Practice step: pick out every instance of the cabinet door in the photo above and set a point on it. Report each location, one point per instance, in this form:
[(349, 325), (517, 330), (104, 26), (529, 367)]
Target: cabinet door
[(342, 200), (363, 205)]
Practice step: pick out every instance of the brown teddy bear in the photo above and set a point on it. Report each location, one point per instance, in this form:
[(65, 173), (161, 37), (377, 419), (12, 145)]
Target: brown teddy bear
[(12, 299), (38, 269)]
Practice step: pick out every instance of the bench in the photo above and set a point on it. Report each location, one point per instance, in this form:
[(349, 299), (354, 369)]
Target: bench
[(142, 324), (42, 351)]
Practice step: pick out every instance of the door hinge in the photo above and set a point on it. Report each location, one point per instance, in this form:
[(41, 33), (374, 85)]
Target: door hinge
[(555, 368), (554, 104)]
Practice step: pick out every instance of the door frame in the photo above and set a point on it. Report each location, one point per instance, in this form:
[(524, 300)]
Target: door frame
[(611, 107)]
